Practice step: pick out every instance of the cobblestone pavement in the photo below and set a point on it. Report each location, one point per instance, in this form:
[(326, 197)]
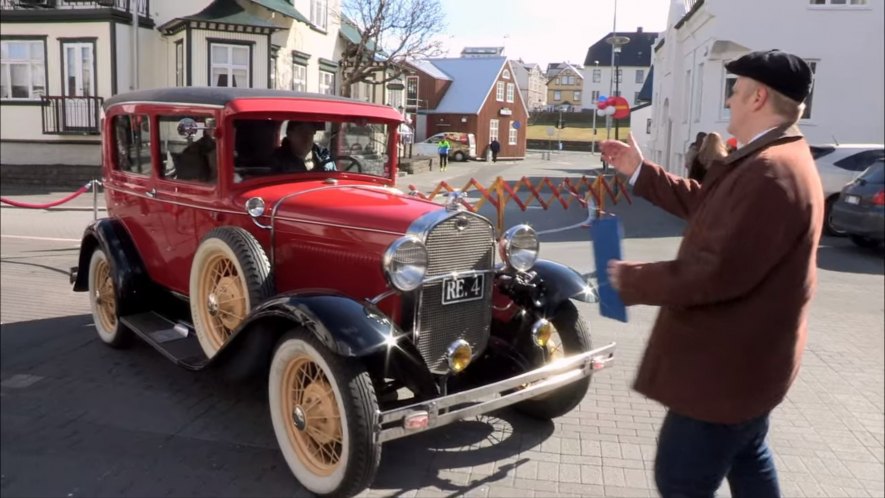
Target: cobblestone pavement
[(80, 419)]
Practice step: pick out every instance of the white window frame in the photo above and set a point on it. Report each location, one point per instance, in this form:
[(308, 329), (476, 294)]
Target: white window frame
[(557, 95), (35, 68), (511, 89), (699, 93), (179, 63), (493, 129), (640, 76), (512, 135), (686, 96), (319, 13), (229, 66), (499, 91), (594, 96), (597, 75), (299, 77), (327, 82), (576, 95), (506, 74), (724, 111)]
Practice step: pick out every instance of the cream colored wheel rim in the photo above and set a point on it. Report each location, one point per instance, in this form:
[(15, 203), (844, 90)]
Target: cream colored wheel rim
[(310, 413), (554, 348), (224, 299), (105, 299)]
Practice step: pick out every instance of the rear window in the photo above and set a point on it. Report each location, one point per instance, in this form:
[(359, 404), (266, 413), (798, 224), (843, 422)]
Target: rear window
[(818, 151), (861, 160), (875, 174)]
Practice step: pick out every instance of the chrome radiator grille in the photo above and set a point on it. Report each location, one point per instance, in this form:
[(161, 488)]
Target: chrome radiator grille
[(453, 247)]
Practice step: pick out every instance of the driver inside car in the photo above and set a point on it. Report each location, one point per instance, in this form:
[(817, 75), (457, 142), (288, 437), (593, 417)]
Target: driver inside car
[(297, 149)]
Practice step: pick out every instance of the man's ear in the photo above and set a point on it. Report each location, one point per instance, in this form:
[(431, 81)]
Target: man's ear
[(760, 96)]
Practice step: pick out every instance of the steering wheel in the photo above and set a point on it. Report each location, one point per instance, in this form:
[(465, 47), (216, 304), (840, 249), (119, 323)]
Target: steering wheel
[(344, 163)]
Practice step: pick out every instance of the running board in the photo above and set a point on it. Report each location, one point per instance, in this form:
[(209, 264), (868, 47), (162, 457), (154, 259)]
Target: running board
[(177, 341)]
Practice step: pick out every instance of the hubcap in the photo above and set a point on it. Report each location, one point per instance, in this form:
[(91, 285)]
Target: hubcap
[(316, 432), (105, 300), (225, 298)]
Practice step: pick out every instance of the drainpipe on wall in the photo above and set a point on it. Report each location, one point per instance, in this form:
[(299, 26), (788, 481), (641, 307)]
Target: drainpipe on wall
[(134, 5)]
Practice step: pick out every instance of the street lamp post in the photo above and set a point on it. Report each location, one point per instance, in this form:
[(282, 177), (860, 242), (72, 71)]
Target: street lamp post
[(595, 108), (617, 42)]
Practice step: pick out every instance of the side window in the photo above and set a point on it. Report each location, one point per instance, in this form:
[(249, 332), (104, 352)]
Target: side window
[(132, 144), (187, 155), (861, 160)]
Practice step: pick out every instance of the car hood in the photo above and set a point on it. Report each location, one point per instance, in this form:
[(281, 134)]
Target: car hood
[(348, 204)]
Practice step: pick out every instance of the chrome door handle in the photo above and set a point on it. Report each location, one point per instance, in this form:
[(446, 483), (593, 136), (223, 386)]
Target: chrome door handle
[(151, 193)]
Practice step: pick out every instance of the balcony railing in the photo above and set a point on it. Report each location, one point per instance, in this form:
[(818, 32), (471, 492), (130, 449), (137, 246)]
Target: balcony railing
[(71, 115), (143, 6)]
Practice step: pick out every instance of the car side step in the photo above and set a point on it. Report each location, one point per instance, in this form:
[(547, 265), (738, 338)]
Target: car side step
[(177, 341)]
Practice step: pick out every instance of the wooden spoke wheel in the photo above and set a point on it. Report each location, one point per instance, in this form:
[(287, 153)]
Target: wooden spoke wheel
[(103, 301), (322, 407), (229, 277)]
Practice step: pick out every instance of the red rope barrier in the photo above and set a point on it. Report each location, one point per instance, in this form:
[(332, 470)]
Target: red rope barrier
[(47, 205)]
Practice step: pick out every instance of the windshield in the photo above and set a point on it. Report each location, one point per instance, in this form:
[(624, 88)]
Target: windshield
[(274, 147)]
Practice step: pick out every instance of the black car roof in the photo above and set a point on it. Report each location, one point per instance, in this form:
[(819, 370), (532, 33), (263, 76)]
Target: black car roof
[(219, 96)]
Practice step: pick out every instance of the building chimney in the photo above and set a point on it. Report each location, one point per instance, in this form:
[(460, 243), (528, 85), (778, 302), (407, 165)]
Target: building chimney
[(639, 29)]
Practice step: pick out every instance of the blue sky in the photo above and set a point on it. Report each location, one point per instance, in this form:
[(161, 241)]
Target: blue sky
[(544, 31)]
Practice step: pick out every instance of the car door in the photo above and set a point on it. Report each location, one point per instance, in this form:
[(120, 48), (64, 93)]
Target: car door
[(129, 183), (428, 147), (185, 189)]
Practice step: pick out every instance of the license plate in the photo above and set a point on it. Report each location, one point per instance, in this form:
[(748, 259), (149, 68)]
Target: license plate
[(462, 289), (852, 199)]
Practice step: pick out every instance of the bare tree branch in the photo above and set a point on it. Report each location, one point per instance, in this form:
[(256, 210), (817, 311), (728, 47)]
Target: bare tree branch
[(391, 32)]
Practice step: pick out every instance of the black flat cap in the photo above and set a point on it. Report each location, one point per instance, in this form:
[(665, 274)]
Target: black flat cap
[(786, 73)]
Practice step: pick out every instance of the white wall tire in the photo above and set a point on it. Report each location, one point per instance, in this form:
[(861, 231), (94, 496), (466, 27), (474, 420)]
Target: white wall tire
[(103, 301), (230, 275), (310, 388)]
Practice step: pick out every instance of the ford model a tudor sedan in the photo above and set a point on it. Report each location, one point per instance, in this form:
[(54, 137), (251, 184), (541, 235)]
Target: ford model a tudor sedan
[(260, 231)]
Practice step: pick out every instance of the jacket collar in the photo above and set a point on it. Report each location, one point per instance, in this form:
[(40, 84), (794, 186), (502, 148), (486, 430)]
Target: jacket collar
[(719, 168), (772, 136)]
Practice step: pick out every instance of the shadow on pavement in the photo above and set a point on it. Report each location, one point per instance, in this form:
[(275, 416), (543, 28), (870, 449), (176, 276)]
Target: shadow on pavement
[(131, 423), (416, 462), (840, 254)]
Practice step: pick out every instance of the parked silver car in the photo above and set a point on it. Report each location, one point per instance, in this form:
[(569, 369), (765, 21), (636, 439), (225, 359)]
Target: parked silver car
[(860, 210), (838, 165)]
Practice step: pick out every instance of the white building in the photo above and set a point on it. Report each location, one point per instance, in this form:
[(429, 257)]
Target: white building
[(631, 64), (532, 84), (842, 40), (62, 58)]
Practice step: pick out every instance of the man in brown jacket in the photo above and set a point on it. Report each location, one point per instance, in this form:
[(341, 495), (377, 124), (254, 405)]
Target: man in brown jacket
[(727, 342)]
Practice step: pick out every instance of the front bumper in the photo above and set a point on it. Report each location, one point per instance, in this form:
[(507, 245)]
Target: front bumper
[(425, 415), (866, 221)]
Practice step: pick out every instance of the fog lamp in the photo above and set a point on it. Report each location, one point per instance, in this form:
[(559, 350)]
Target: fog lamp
[(459, 355), (542, 330)]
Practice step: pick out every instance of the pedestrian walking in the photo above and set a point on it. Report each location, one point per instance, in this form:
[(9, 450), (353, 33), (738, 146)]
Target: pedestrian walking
[(712, 149), (495, 146), (727, 343), (443, 149)]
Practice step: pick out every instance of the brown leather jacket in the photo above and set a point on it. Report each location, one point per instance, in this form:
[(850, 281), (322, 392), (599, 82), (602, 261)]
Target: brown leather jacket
[(728, 340)]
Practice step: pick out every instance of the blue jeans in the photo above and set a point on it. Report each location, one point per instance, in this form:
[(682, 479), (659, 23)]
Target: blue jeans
[(694, 456)]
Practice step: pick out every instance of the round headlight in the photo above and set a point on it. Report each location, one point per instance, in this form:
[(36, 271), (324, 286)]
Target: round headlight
[(519, 247), (405, 263), (255, 206)]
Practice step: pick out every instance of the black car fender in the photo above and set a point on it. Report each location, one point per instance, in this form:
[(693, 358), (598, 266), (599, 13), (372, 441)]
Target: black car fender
[(346, 326), (127, 269), (546, 286)]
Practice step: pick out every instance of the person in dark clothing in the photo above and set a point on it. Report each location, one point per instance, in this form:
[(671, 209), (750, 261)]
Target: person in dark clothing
[(292, 154), (495, 146), (691, 154)]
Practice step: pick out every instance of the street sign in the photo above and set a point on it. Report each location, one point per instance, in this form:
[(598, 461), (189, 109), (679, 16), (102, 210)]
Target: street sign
[(550, 131), (516, 125)]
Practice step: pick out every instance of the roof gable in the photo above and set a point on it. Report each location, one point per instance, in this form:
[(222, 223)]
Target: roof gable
[(637, 52), (472, 81)]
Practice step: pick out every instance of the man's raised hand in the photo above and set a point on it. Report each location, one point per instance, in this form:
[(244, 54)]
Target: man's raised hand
[(625, 157)]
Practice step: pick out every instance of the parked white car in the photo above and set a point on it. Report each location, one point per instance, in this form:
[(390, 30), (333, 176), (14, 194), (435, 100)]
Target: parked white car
[(838, 165)]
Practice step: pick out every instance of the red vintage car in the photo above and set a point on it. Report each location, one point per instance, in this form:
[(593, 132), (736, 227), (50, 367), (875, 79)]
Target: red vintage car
[(261, 232)]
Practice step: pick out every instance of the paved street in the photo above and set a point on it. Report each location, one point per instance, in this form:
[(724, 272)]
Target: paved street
[(80, 419)]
